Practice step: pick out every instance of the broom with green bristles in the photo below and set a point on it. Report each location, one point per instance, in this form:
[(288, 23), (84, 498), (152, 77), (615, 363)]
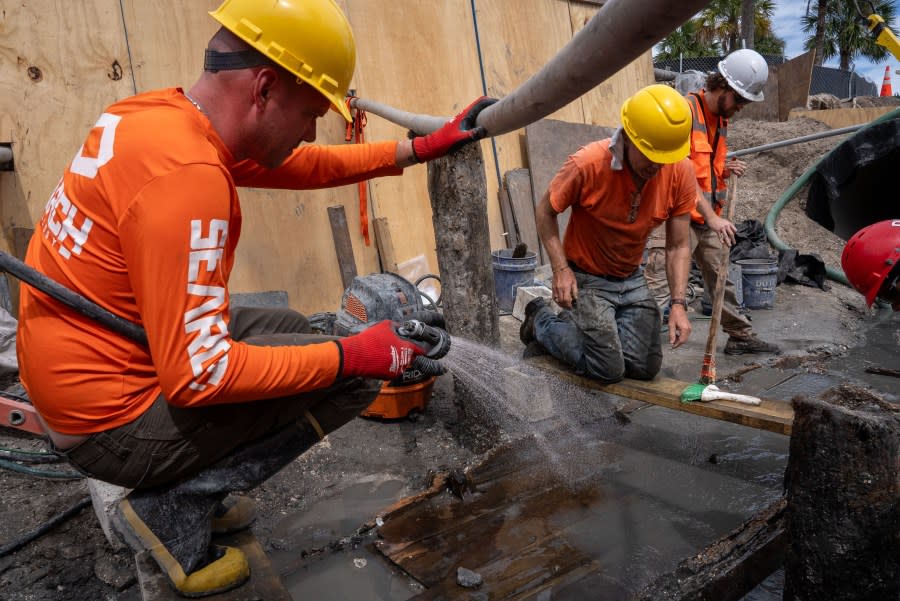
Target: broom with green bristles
[(706, 390)]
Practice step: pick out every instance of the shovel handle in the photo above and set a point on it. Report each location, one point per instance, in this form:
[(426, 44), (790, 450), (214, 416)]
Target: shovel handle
[(730, 396)]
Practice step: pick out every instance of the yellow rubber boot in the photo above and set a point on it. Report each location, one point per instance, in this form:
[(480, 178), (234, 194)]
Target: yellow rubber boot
[(229, 571), (234, 514)]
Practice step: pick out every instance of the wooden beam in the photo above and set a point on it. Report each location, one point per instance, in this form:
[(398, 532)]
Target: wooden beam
[(771, 415), (385, 245), (732, 566), (342, 245)]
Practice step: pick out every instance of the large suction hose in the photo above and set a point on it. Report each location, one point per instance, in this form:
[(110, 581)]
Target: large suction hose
[(832, 272), (619, 32)]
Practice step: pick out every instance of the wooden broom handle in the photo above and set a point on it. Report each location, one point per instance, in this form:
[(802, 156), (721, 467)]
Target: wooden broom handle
[(719, 291)]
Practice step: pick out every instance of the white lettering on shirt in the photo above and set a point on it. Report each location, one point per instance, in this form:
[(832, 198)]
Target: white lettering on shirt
[(88, 166), (208, 350), (59, 224)]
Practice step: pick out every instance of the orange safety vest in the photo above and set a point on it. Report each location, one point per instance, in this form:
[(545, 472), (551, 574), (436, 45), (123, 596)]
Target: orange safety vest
[(708, 149)]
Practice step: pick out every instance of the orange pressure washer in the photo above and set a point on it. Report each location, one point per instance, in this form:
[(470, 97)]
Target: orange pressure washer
[(378, 296)]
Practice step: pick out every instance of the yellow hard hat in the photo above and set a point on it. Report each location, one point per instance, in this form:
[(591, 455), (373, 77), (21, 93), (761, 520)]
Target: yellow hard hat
[(658, 120), (310, 38)]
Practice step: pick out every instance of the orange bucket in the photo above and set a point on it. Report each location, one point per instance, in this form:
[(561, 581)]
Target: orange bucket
[(394, 402)]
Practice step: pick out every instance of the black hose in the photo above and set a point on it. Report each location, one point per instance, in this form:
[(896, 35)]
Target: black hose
[(29, 456), (15, 396), (43, 528), (429, 276), (71, 299), (49, 475)]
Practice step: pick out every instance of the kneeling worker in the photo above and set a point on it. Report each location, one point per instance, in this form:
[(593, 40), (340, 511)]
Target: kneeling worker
[(619, 189)]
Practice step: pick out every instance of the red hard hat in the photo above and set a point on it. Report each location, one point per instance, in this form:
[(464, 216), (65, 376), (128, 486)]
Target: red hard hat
[(870, 255)]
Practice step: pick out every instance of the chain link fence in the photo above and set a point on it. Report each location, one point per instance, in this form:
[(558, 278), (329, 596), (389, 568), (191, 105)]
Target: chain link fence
[(825, 80)]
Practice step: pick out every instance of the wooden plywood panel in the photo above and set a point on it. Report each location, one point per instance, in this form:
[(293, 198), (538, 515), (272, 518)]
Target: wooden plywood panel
[(516, 44), (549, 143), (837, 118), (794, 78), (601, 105), (168, 51), (61, 63), (420, 56)]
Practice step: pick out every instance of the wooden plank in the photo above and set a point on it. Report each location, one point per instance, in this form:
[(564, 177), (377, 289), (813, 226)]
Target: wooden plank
[(732, 566), (837, 118), (385, 244), (550, 142), (510, 227), (518, 183), (343, 248), (794, 78), (772, 415)]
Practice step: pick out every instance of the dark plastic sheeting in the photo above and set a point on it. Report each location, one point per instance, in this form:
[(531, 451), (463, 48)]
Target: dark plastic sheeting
[(855, 184)]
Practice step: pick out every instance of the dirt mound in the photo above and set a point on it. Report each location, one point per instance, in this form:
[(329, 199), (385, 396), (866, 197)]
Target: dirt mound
[(771, 173)]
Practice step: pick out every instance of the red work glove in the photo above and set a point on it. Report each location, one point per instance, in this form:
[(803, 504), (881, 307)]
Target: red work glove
[(377, 352), (454, 134)]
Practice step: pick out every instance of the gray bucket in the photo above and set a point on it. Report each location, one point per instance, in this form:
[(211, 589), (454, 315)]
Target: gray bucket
[(760, 277), (510, 273)]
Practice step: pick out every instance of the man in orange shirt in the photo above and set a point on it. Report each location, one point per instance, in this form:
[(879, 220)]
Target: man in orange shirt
[(619, 189), (740, 79), (144, 223)]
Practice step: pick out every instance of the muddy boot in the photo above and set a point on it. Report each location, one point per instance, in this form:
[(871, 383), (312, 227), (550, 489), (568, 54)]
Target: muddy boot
[(174, 524), (749, 345), (526, 330), (234, 514), (216, 570)]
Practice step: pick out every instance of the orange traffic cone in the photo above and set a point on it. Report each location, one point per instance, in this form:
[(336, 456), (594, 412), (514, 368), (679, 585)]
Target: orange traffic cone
[(886, 84)]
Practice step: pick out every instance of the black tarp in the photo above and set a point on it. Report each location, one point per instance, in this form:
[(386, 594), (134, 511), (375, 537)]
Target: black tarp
[(855, 184)]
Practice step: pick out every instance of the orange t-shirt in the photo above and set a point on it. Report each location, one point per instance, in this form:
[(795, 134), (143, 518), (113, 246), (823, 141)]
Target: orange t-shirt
[(599, 239), (145, 222)]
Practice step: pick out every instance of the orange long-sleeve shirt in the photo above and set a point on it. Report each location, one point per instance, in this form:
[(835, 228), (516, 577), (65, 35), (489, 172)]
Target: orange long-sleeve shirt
[(145, 222)]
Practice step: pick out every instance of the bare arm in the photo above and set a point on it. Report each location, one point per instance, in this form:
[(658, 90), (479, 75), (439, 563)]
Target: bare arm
[(678, 266), (724, 228), (565, 289)]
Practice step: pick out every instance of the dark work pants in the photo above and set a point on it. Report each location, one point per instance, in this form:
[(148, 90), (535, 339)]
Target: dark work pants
[(612, 332), (183, 462)]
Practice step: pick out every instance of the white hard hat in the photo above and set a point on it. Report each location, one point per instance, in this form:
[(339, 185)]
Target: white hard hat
[(746, 71)]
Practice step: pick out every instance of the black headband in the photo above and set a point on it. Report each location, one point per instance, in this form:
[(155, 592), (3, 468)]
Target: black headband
[(229, 61)]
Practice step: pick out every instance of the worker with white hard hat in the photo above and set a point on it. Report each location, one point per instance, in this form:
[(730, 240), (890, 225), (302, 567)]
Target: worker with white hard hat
[(740, 79)]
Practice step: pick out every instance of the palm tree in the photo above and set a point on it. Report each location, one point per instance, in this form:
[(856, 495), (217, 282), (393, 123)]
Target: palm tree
[(819, 37), (843, 35), (748, 19), (720, 25), (683, 42)]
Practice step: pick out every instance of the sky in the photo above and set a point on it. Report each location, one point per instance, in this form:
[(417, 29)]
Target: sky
[(787, 25)]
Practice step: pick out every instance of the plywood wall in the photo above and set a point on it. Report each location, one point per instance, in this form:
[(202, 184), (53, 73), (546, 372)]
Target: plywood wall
[(62, 62)]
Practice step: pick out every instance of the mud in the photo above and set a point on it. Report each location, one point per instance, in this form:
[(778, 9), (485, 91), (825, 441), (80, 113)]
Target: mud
[(816, 328)]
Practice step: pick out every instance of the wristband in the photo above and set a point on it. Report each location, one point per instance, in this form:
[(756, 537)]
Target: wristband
[(678, 301)]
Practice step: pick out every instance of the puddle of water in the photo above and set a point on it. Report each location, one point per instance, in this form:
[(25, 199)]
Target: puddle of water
[(661, 488), (329, 559)]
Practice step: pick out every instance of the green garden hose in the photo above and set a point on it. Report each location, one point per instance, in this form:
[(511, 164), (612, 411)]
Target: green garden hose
[(832, 272)]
